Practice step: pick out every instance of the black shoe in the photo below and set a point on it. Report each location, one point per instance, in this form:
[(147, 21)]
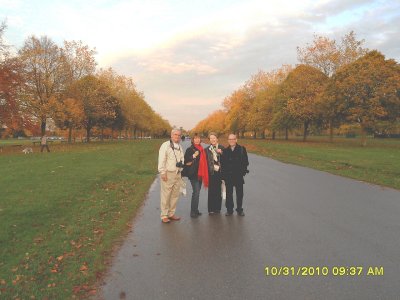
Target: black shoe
[(228, 214), (199, 213), (194, 215), (241, 213)]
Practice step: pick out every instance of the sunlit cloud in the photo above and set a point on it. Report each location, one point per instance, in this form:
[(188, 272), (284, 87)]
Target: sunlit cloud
[(188, 56)]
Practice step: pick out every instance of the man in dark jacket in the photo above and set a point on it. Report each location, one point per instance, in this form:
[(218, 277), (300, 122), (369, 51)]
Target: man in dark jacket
[(234, 168)]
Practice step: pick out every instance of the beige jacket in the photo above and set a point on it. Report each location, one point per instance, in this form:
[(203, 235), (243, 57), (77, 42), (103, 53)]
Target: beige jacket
[(166, 158)]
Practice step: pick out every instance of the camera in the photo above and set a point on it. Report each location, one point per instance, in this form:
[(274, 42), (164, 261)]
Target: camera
[(179, 164)]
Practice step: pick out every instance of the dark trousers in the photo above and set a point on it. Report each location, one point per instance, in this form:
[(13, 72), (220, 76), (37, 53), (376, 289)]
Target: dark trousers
[(44, 146), (229, 196), (194, 205), (214, 193)]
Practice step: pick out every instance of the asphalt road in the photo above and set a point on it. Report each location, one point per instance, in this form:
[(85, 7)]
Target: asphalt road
[(295, 217)]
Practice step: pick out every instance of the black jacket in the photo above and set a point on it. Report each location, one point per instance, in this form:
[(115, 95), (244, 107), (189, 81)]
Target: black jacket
[(210, 160), (234, 164), (189, 158)]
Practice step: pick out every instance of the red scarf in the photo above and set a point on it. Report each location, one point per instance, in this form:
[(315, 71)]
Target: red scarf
[(203, 166)]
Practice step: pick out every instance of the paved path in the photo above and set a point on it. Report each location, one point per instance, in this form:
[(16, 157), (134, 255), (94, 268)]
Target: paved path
[(295, 216)]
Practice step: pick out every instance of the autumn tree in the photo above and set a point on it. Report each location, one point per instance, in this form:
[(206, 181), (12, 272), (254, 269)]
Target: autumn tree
[(261, 113), (79, 60), (328, 56), (322, 53), (95, 97), (70, 115), (3, 46), (235, 106), (43, 76), (370, 89), (302, 89), (9, 82)]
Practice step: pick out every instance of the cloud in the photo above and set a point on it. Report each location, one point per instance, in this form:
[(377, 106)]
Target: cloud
[(188, 56)]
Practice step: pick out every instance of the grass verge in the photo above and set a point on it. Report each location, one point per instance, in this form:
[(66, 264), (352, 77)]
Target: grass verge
[(378, 163), (62, 212)]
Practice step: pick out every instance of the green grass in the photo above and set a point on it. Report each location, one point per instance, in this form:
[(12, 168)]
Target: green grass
[(61, 214), (6, 142), (377, 163)]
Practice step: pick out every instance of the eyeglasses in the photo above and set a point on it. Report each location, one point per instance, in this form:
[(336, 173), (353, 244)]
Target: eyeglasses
[(231, 139)]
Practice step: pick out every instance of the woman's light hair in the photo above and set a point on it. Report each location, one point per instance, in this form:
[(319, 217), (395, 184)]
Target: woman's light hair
[(212, 133)]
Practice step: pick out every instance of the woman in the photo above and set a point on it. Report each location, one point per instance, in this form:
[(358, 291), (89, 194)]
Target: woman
[(196, 163), (214, 152)]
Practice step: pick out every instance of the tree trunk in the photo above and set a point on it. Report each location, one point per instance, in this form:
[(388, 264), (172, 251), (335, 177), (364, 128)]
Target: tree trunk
[(363, 135), (88, 134), (70, 134), (273, 134), (305, 131), (254, 134), (102, 136), (43, 125), (134, 133), (286, 133), (263, 134), (126, 133), (331, 131), (112, 133)]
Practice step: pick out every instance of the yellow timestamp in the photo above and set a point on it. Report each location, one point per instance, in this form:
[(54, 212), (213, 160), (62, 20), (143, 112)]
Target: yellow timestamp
[(324, 271)]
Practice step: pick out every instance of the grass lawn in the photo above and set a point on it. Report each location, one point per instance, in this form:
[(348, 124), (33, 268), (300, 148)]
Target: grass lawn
[(62, 212), (377, 163), (5, 142)]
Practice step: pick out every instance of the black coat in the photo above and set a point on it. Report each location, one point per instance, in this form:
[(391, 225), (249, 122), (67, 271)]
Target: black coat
[(210, 159), (189, 159), (234, 164)]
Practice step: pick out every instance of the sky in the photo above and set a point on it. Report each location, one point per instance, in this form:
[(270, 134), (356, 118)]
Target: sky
[(187, 56)]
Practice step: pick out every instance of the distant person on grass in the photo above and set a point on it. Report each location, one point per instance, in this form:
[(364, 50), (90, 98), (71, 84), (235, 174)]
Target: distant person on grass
[(234, 168), (196, 169), (43, 143), (170, 166)]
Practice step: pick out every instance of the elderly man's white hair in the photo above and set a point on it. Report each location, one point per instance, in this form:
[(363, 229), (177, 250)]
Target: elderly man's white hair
[(174, 131)]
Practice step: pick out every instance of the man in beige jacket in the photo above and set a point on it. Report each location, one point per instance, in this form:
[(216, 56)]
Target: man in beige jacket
[(170, 165)]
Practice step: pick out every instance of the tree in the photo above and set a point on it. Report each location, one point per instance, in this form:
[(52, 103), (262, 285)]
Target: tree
[(95, 97), (302, 88), (328, 56), (44, 78), (370, 90), (71, 115), (3, 46), (79, 60), (235, 105), (9, 83), (262, 111), (322, 54)]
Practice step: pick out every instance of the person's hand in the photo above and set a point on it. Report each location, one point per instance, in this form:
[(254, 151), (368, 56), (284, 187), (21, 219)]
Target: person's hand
[(219, 151), (164, 177), (195, 154)]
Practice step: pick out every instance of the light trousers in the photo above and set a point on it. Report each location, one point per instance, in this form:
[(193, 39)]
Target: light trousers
[(170, 190)]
